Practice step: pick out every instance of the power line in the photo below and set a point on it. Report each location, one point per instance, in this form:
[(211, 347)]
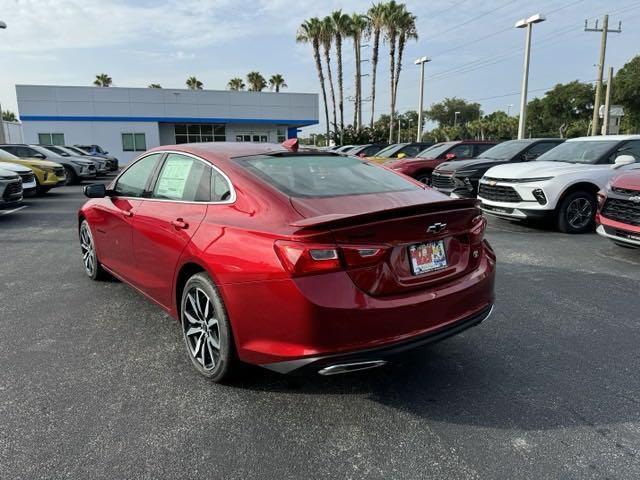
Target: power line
[(454, 27), (518, 93)]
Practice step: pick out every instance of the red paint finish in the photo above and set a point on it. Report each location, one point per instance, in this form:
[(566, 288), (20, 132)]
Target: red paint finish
[(262, 251), (630, 182)]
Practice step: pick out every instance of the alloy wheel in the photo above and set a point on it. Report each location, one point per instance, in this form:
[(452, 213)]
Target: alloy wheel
[(88, 251), (579, 212), (201, 328)]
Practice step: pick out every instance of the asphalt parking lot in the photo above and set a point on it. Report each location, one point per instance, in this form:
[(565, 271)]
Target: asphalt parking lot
[(95, 383)]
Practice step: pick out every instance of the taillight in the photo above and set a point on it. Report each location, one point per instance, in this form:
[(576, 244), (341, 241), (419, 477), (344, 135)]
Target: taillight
[(478, 226), (363, 255), (308, 258), (300, 258)]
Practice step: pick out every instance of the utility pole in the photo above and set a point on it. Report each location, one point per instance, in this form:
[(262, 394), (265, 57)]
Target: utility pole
[(421, 61), (399, 128), (2, 139), (603, 50), (607, 103)]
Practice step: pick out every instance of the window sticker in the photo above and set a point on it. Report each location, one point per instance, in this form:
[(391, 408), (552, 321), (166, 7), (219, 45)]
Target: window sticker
[(173, 179)]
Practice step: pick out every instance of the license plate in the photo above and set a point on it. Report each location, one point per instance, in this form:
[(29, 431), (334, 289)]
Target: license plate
[(427, 257)]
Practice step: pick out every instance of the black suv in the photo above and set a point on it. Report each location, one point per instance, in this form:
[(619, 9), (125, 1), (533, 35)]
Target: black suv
[(460, 178)]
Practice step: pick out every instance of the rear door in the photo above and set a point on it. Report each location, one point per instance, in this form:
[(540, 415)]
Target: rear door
[(167, 220)]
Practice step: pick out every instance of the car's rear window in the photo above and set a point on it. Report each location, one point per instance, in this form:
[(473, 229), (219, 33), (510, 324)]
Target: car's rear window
[(325, 176)]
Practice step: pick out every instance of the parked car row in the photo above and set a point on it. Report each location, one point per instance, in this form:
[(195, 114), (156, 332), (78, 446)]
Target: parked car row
[(35, 169), (576, 183)]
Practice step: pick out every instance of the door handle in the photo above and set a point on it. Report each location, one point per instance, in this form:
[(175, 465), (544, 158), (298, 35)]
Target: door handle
[(126, 213), (180, 224)]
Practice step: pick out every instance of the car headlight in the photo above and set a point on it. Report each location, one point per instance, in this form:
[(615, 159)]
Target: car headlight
[(607, 187)]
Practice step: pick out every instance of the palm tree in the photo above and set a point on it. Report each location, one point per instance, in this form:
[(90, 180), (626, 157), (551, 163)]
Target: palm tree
[(358, 29), (309, 32), (406, 31), (103, 80), (376, 18), (326, 38), (155, 85), (342, 28), (194, 84), (256, 82), (236, 84), (392, 14), (276, 82)]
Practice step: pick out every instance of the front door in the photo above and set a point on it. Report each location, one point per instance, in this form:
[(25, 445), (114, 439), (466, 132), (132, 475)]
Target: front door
[(166, 221), (113, 228)]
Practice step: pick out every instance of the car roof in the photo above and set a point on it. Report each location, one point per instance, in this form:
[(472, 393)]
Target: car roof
[(222, 151), (599, 138)]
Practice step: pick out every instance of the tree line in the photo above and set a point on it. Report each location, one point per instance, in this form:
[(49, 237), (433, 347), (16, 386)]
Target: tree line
[(255, 82), (390, 21)]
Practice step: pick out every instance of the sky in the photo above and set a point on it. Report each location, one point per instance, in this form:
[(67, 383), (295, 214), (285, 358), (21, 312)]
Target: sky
[(476, 52)]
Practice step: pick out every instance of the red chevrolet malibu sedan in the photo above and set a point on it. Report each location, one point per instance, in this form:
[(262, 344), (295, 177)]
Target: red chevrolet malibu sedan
[(289, 260)]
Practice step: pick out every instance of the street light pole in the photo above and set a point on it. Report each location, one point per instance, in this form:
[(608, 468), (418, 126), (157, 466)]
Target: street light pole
[(421, 61), (2, 137), (528, 24)]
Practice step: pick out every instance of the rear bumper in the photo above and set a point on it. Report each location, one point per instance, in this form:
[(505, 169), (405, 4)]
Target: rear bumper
[(290, 323), (316, 364)]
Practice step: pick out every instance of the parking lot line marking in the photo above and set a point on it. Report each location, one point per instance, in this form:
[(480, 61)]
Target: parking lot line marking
[(14, 210)]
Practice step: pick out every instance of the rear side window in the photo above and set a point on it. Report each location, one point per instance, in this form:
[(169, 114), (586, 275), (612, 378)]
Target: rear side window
[(325, 176), (134, 180), (183, 178), (411, 150), (482, 147)]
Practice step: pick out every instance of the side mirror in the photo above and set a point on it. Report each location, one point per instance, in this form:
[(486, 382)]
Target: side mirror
[(527, 157), (105, 153), (623, 160), (41, 156), (450, 156), (401, 155), (95, 190)]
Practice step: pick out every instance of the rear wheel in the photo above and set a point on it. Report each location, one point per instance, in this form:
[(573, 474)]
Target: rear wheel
[(206, 329), (576, 213), (90, 261)]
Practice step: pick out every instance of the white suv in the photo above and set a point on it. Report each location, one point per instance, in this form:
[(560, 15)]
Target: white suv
[(561, 184)]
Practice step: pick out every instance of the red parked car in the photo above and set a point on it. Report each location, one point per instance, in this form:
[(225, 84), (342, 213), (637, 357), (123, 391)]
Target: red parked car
[(287, 259), (424, 163), (618, 214)]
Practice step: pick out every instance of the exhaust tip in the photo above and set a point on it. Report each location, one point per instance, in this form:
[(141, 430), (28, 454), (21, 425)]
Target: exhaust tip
[(340, 368)]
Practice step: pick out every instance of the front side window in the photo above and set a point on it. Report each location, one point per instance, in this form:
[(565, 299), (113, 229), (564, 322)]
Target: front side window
[(463, 151), (133, 181), (183, 178), (434, 151), (324, 176), (51, 138), (134, 142), (580, 151)]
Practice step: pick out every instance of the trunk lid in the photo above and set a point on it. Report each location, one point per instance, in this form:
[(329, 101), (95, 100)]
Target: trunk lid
[(393, 223)]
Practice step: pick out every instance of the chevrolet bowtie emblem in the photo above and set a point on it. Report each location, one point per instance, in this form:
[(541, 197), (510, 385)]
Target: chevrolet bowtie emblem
[(492, 183), (436, 227)]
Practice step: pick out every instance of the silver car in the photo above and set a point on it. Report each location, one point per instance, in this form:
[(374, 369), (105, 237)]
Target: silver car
[(76, 169), (100, 163), (10, 188)]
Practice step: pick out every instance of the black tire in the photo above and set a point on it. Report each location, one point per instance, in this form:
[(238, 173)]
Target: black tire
[(424, 178), (218, 364), (42, 190), (581, 203), (92, 266), (72, 177)]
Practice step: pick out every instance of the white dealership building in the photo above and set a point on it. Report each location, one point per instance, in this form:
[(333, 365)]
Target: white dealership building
[(127, 121)]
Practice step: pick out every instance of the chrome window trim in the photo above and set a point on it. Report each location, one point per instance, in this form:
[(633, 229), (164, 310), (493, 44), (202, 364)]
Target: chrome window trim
[(232, 198)]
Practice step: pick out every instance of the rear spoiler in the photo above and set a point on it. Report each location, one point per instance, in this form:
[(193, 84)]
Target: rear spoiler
[(346, 219)]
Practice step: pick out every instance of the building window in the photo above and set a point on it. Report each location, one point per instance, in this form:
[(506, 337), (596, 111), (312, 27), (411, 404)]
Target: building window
[(282, 134), (197, 133), (252, 137), (51, 138), (134, 142)]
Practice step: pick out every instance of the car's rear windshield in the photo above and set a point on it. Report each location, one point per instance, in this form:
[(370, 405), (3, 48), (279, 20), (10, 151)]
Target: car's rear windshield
[(324, 176), (579, 151)]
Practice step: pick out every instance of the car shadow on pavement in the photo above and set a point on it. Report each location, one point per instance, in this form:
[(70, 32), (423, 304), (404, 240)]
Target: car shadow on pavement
[(528, 367)]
